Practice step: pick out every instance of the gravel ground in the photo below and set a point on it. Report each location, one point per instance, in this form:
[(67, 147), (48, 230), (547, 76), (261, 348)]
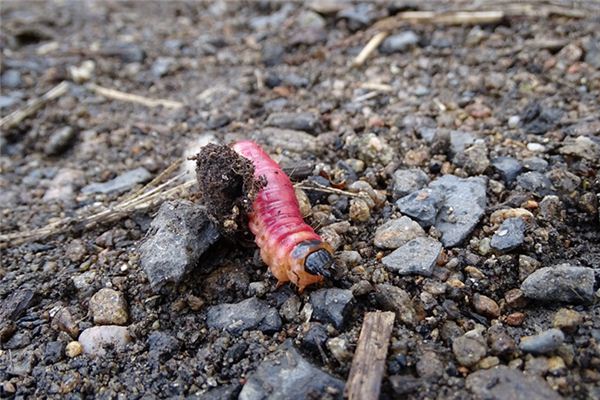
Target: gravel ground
[(461, 173)]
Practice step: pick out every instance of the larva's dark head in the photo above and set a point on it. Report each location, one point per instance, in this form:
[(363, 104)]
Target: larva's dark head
[(309, 263), (319, 262)]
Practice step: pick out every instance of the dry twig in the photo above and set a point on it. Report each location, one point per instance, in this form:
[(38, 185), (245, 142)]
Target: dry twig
[(368, 364), (133, 98), (143, 199), (325, 189), (369, 48), (16, 117)]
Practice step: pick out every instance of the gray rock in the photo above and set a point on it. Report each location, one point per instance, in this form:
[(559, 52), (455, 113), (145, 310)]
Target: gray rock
[(464, 205), (96, 339), (399, 42), (563, 282), (536, 183), (53, 352), (509, 235), (11, 79), (62, 188), (542, 343), (304, 121), (358, 16), (397, 232), (468, 350), (582, 147), (126, 52), (459, 141), (504, 383), (287, 375), (474, 159), (272, 52), (8, 101), (59, 141), (315, 338), (407, 181), (249, 314), (272, 20), (422, 205), (392, 298), (162, 346), (538, 119), (179, 234), (416, 257), (121, 183), (535, 164), (109, 307), (331, 305), (162, 66), (287, 139), (508, 168)]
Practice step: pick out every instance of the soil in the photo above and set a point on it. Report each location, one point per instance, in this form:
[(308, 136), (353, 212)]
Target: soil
[(453, 101)]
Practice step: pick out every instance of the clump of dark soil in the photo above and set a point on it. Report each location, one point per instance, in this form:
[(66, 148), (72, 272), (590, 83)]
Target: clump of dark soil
[(226, 187)]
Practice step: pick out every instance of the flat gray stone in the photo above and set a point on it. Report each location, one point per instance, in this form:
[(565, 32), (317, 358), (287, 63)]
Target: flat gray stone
[(542, 343), (423, 206), (303, 121), (536, 183), (463, 207), (179, 234), (397, 232), (508, 168), (509, 235), (331, 305), (399, 42), (287, 375), (249, 314), (407, 181), (504, 383), (121, 183), (563, 282), (416, 257)]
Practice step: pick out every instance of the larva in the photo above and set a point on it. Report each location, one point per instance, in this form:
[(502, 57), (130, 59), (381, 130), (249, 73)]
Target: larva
[(290, 247)]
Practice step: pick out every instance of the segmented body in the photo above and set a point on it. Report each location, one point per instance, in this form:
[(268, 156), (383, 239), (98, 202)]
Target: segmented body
[(284, 239)]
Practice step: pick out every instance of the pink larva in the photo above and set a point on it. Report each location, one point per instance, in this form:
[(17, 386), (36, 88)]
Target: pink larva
[(290, 247)]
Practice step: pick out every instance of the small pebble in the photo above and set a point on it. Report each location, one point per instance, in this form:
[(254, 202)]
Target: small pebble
[(566, 319), (94, 340), (515, 319), (469, 350), (73, 349), (486, 306), (109, 307), (509, 235), (542, 343), (397, 232)]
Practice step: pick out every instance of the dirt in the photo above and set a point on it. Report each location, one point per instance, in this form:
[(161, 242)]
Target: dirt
[(525, 87), (226, 187)]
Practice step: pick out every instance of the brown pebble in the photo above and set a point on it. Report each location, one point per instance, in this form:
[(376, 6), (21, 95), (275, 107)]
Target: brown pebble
[(515, 298), (63, 321), (195, 303), (515, 319), (567, 320), (486, 306)]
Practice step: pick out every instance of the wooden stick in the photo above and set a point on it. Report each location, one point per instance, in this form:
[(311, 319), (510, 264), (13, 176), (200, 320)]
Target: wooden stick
[(449, 18), (369, 48), (368, 365), (133, 98), (16, 117)]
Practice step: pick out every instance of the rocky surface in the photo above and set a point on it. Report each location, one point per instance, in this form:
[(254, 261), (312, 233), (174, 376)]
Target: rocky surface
[(448, 135), (287, 375), (178, 236), (245, 315)]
